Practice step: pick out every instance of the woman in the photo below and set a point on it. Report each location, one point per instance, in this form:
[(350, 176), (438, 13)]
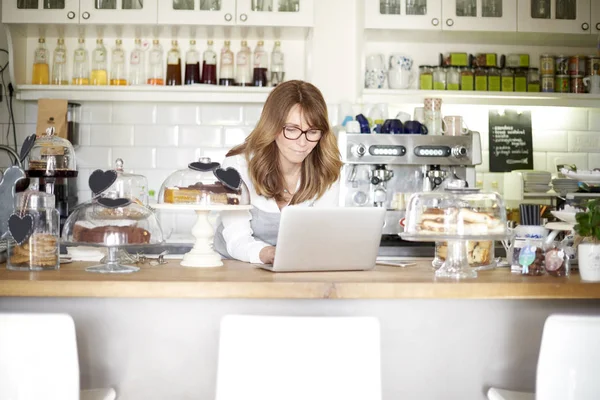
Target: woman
[(290, 158)]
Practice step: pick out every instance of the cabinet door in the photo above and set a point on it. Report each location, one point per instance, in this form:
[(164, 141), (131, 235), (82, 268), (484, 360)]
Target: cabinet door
[(596, 16), (275, 13), (196, 12), (118, 11), (556, 16), (480, 15), (403, 14), (40, 11)]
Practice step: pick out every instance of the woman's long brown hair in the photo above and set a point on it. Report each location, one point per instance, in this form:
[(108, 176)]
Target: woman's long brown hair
[(320, 169)]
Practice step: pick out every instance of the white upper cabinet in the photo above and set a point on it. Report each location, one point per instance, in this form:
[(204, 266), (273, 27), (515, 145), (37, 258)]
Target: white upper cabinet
[(596, 16), (403, 14), (118, 11), (40, 11), (299, 13), (480, 15), (555, 16), (196, 12)]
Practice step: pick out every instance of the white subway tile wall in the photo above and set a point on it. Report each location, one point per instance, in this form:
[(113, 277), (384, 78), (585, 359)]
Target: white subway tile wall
[(156, 139)]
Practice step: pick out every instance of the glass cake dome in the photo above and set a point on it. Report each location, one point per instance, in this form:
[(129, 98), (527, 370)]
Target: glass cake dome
[(205, 183), (51, 156), (128, 186)]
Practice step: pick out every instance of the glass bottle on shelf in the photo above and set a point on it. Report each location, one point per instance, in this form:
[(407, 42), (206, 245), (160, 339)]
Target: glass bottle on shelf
[(41, 73), (118, 76), (277, 65), (192, 65), (243, 66), (174, 65), (81, 64), (137, 65), (209, 65), (156, 68), (261, 62), (59, 64), (226, 66), (99, 74)]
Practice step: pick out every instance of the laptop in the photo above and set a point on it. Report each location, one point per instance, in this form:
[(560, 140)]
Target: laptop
[(327, 239)]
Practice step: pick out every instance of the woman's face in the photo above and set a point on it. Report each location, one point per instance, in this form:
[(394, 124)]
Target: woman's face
[(295, 151)]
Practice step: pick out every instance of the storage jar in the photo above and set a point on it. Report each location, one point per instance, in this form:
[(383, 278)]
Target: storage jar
[(467, 79), (425, 77), (533, 80), (439, 78), (481, 83), (452, 78), (508, 80)]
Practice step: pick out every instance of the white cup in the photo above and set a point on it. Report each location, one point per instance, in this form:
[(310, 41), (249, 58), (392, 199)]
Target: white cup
[(399, 78), (352, 127), (419, 114), (402, 116), (454, 126), (401, 61), (592, 84)]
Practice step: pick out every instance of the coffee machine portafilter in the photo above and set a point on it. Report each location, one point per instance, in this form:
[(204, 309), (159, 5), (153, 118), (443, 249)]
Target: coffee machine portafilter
[(383, 170)]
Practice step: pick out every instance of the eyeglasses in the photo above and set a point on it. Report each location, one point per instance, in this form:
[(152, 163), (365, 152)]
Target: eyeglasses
[(293, 133)]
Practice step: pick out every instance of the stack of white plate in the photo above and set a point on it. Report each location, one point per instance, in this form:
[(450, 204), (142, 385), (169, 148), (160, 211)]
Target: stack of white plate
[(565, 185), (536, 181)]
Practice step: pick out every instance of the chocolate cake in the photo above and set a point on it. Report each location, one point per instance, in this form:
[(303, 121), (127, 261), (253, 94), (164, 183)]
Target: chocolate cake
[(111, 235)]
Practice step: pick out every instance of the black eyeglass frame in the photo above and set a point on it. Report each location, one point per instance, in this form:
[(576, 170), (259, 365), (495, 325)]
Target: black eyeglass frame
[(305, 133)]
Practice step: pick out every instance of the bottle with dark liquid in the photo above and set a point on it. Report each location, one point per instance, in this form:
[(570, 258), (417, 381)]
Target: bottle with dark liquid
[(243, 65), (277, 67), (226, 66), (261, 62), (209, 65), (192, 65), (174, 65), (156, 68)]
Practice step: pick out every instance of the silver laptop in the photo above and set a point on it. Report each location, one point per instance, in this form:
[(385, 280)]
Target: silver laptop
[(327, 239)]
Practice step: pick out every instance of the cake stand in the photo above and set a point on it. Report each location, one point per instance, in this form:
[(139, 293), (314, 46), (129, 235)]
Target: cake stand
[(202, 254), (456, 265)]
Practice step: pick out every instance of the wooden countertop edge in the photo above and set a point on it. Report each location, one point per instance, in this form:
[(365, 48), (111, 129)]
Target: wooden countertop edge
[(299, 290)]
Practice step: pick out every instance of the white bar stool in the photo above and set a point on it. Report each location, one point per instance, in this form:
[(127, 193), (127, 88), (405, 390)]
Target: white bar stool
[(568, 363), (38, 359), (299, 358)]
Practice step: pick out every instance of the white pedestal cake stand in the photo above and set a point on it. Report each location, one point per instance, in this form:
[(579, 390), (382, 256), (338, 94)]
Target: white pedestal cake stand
[(202, 254)]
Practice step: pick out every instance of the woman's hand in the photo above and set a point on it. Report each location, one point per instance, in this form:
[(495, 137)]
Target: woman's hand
[(267, 254)]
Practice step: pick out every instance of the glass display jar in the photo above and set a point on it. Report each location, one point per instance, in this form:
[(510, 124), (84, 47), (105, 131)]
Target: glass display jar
[(467, 81), (494, 79), (51, 156), (508, 80), (425, 77), (203, 183), (453, 78), (533, 80), (40, 250), (129, 186), (481, 82), (439, 78)]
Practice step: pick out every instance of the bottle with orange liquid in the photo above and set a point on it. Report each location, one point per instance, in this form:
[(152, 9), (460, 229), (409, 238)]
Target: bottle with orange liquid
[(59, 64), (156, 67), (81, 64), (99, 74), (117, 65), (41, 71)]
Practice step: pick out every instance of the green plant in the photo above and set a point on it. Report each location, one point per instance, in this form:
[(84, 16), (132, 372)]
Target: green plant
[(588, 222)]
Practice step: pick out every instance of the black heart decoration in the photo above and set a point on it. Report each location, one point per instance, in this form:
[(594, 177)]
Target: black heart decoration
[(113, 203), (27, 146), (20, 228), (229, 177), (202, 166), (101, 180)]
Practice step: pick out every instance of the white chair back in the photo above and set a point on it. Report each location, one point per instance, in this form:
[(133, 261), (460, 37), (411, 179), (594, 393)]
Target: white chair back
[(567, 368), (317, 358), (38, 357)]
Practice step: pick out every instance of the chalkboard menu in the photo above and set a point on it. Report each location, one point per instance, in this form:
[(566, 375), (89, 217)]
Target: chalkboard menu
[(511, 145)]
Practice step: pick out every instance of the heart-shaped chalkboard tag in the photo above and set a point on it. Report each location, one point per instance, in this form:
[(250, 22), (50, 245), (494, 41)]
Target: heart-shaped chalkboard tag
[(203, 166), (27, 146), (101, 180), (20, 228), (229, 177), (113, 203)]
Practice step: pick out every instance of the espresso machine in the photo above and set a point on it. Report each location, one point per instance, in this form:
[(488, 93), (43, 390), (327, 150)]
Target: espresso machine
[(383, 170)]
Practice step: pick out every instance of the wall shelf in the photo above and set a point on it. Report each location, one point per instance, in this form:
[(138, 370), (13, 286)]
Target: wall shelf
[(394, 96), (195, 93)]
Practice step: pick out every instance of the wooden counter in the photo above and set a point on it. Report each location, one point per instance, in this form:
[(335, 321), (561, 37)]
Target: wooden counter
[(242, 280)]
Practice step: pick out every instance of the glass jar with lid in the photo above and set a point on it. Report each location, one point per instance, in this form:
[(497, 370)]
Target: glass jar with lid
[(467, 81), (520, 79), (39, 248), (203, 183), (508, 80), (481, 82), (425, 77), (439, 78), (51, 156), (129, 186), (533, 80), (494, 79), (453, 78)]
